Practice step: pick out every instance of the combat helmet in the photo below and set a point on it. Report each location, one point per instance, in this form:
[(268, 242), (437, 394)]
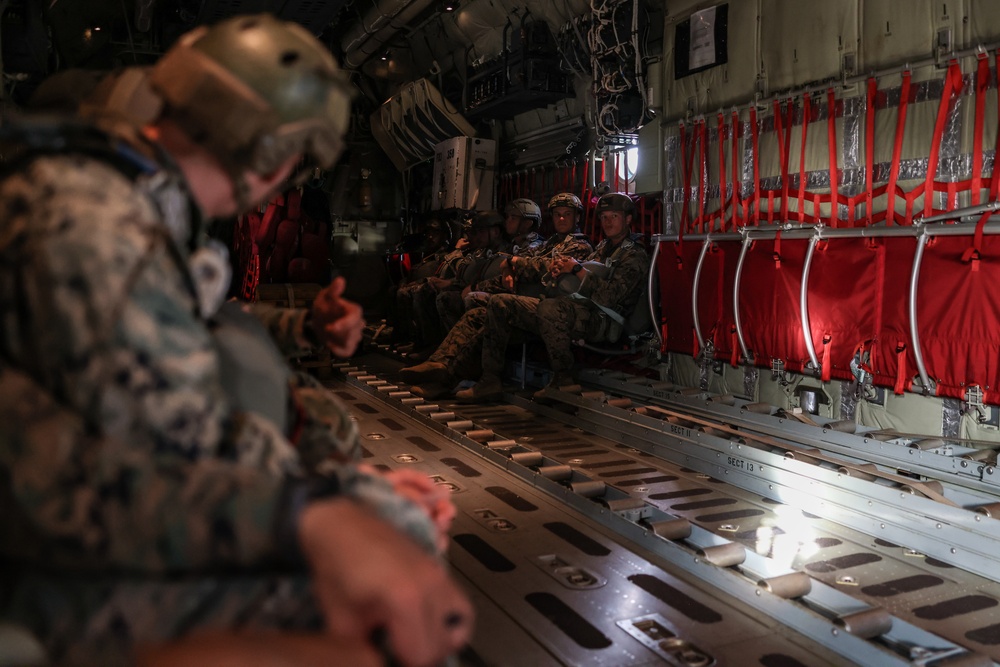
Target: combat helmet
[(568, 200), (485, 219), (615, 201), (526, 209), (255, 90)]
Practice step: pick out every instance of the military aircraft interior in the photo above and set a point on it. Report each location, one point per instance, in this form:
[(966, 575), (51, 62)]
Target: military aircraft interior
[(794, 461)]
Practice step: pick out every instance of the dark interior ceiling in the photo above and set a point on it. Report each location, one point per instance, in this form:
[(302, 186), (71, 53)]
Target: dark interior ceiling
[(40, 37)]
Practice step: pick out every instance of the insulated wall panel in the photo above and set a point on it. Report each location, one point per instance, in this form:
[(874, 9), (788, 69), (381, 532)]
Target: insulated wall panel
[(721, 86), (805, 41), (895, 33), (984, 22)]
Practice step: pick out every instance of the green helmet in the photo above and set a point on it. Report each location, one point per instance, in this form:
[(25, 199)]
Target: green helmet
[(255, 90), (526, 209), (567, 199), (615, 201)]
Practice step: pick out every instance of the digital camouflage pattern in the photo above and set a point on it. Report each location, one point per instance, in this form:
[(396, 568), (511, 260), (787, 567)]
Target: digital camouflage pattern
[(119, 448), (480, 266), (415, 303), (461, 350), (533, 263), (561, 320)]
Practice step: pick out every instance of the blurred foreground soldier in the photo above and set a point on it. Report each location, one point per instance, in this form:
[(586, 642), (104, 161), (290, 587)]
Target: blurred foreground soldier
[(528, 276), (602, 299), (140, 498)]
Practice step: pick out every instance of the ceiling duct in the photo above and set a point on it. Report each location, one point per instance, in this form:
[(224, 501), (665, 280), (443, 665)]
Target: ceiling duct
[(378, 26), (547, 145), (412, 122)]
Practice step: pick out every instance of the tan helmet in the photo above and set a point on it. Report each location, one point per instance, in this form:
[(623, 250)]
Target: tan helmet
[(615, 201), (255, 90), (526, 209), (568, 200)]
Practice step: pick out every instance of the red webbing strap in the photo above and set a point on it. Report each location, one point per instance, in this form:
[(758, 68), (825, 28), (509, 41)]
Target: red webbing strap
[(702, 173), (831, 137), (806, 117), (826, 364), (616, 170), (734, 136), (777, 249), (900, 385), (973, 253), (982, 81), (782, 158), (869, 148), (723, 200), (952, 86), (583, 184), (755, 154), (685, 179), (897, 150), (694, 343), (734, 344)]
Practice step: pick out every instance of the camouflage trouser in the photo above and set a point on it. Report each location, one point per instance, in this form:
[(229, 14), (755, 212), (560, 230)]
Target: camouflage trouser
[(504, 313), (450, 307), (405, 324), (462, 349), (425, 315), (558, 321), (98, 621), (561, 321)]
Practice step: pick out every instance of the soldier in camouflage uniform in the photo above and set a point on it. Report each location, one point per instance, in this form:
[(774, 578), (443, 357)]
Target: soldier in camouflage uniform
[(486, 232), (124, 457), (459, 356), (521, 225), (594, 312), (437, 248), (416, 300)]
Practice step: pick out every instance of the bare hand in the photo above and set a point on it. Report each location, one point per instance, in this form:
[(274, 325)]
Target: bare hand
[(338, 323), (561, 265), (369, 577), (417, 487), (508, 282), (461, 243)]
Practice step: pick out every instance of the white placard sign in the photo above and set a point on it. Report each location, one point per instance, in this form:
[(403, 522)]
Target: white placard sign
[(702, 49)]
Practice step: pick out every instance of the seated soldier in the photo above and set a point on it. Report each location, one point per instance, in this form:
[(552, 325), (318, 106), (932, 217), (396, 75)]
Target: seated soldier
[(490, 245), (437, 248), (416, 299), (458, 357), (594, 312)]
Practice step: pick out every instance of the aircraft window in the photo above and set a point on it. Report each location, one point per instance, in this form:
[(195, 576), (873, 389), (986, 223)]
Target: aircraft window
[(628, 164)]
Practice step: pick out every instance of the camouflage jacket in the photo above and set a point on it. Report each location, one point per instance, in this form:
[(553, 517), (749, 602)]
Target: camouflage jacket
[(119, 447), (621, 289), (532, 267), (480, 265), (429, 265)]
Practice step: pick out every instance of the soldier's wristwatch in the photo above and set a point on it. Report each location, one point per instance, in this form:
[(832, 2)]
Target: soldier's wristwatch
[(577, 268)]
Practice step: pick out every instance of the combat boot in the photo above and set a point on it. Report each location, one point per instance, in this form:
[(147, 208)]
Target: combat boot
[(430, 391), (429, 372), (559, 379), (489, 388)]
